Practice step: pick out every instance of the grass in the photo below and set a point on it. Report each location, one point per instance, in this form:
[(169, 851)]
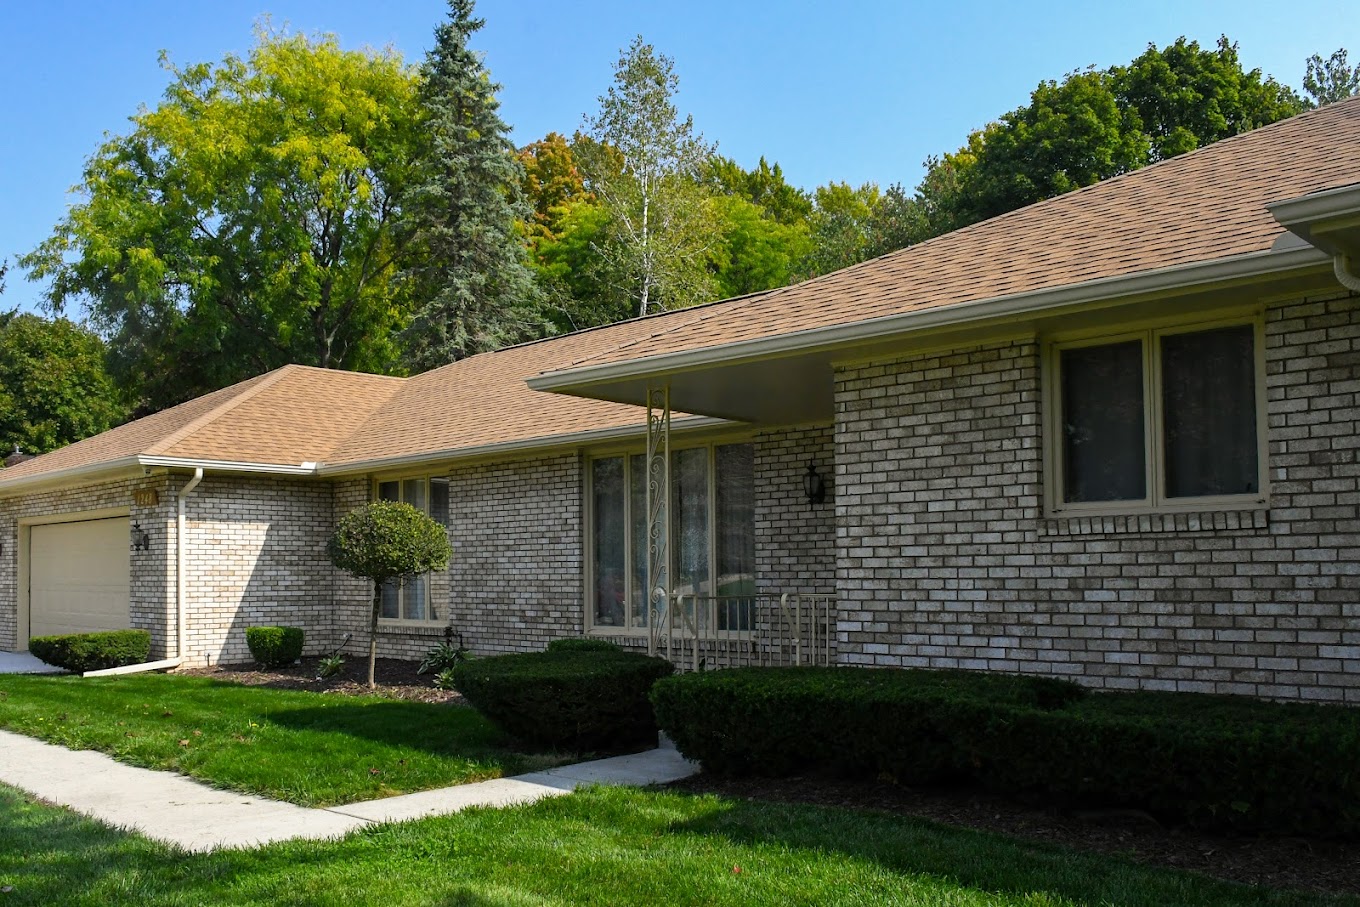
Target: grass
[(598, 846), (307, 748)]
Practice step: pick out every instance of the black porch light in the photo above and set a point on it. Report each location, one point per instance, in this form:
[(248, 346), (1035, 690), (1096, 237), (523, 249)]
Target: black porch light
[(141, 539), (814, 486)]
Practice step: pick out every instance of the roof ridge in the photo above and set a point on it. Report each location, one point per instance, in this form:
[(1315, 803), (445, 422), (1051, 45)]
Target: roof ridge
[(263, 382)]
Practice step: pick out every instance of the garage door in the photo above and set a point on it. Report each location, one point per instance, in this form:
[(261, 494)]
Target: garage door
[(78, 577)]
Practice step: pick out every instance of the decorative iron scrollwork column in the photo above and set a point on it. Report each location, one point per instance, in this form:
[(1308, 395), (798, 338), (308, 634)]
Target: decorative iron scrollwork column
[(658, 511)]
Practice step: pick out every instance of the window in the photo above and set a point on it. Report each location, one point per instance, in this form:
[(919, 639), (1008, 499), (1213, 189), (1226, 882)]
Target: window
[(1158, 419), (712, 531), (410, 599)]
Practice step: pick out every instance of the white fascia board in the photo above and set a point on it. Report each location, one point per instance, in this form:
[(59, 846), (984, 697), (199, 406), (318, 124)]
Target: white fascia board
[(1179, 277), (114, 468), (507, 448)]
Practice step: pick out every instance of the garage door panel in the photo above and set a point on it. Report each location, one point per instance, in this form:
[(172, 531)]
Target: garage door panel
[(78, 577)]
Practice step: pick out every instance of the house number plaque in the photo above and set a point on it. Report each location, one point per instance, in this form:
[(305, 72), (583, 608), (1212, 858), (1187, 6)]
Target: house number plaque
[(146, 497)]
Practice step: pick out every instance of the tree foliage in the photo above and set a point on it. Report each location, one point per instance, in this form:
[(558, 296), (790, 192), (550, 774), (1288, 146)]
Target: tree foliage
[(54, 389), (1331, 80), (467, 265), (384, 541), (644, 163), (247, 221)]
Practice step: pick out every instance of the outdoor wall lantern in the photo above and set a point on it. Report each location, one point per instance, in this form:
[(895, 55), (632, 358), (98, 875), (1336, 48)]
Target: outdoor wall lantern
[(141, 539), (814, 486)]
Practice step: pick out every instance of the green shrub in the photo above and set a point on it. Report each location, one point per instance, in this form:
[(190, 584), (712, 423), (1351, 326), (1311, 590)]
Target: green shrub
[(275, 647), (579, 644), (330, 666), (82, 652), (853, 722), (572, 700), (441, 658), (1219, 762)]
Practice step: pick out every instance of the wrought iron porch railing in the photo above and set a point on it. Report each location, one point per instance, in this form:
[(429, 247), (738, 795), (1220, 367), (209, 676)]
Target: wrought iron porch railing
[(699, 632)]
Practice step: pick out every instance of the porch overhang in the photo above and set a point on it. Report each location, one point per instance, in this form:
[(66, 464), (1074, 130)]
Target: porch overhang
[(787, 379)]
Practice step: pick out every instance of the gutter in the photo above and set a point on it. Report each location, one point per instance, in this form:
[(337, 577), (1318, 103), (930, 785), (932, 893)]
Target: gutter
[(592, 436), (64, 476), (162, 665), (181, 612), (1238, 267)]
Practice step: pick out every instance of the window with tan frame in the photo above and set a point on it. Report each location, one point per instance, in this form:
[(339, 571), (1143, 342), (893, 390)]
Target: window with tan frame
[(712, 534), (1161, 418), (411, 600)]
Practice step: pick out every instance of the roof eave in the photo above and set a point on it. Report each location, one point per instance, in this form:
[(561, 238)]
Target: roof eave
[(1017, 305), (509, 448), (109, 469)]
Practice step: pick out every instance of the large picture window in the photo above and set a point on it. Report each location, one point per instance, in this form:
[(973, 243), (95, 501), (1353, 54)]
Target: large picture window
[(712, 530), (410, 599), (1157, 419)]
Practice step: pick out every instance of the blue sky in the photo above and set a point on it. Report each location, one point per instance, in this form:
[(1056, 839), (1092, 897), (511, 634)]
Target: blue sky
[(851, 91)]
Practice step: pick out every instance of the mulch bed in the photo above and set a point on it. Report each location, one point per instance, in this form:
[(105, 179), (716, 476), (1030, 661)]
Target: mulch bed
[(1323, 866), (396, 679), (1313, 865)]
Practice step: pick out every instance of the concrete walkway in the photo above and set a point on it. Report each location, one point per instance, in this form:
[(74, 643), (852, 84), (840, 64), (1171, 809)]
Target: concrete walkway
[(177, 810), (24, 663)]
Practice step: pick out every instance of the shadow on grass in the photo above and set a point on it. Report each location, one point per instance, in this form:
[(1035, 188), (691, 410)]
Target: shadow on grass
[(979, 860)]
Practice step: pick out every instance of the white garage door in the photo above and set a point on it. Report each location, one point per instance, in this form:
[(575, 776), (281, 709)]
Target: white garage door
[(78, 577)]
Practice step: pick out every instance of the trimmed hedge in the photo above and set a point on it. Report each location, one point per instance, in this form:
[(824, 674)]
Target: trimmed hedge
[(580, 644), (1220, 762), (578, 700), (850, 722), (81, 652), (275, 647)]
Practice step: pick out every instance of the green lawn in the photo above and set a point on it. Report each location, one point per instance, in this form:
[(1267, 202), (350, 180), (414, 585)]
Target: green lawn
[(309, 748), (599, 846)]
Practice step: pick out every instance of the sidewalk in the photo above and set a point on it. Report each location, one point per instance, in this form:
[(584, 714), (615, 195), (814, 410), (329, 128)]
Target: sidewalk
[(176, 810)]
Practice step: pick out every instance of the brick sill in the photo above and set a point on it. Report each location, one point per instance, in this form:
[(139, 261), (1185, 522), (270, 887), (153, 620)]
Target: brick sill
[(1251, 520), (413, 627)]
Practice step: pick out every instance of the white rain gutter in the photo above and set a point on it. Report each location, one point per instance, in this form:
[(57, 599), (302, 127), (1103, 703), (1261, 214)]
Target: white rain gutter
[(181, 612), (1178, 277), (574, 439), (162, 665)]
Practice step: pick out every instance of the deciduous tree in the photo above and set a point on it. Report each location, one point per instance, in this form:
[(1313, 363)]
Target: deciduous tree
[(644, 164), (54, 389), (1331, 80), (246, 221)]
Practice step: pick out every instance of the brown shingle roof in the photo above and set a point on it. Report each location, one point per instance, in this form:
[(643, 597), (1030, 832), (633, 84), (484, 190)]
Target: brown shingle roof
[(286, 417), (1205, 205)]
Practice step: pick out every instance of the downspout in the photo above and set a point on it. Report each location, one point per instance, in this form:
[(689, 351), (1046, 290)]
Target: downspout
[(1341, 266), (181, 612)]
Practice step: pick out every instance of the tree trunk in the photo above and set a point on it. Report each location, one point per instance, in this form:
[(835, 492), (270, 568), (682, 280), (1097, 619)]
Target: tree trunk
[(373, 634)]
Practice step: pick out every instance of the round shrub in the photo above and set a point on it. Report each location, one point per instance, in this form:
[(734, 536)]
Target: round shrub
[(580, 644), (82, 652), (275, 647), (583, 700)]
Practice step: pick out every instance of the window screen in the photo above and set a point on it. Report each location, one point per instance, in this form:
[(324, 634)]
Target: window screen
[(1209, 412), (1104, 455)]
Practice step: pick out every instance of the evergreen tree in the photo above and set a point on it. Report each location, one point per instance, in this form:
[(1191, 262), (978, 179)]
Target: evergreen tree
[(475, 288)]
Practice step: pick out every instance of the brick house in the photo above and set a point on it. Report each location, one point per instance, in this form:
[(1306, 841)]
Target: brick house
[(1111, 436)]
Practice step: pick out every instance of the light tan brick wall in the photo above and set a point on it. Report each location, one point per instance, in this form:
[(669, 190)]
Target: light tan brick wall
[(151, 589), (795, 540), (256, 555), (944, 558)]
